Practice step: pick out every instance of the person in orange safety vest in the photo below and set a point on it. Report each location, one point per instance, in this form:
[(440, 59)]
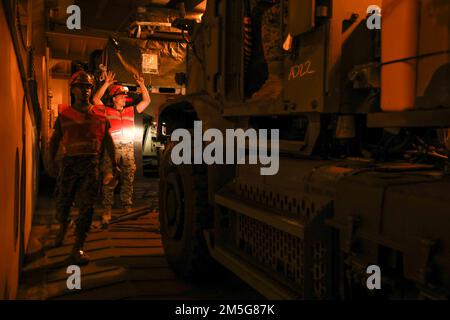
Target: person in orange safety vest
[(121, 119), (82, 129)]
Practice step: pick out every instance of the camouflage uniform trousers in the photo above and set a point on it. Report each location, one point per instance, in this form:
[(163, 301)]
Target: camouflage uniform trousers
[(77, 181), (267, 69), (125, 159), (271, 34), (271, 29)]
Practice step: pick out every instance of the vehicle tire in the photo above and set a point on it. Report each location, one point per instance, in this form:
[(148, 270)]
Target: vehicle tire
[(184, 214)]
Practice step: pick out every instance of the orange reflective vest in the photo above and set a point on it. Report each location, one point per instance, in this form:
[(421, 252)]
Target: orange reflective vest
[(122, 124), (83, 133)]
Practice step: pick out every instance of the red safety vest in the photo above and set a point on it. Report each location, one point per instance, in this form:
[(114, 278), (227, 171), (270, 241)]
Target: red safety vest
[(82, 132), (122, 124)]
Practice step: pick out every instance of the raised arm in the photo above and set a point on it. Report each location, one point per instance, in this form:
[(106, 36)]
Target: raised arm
[(140, 107), (109, 80)]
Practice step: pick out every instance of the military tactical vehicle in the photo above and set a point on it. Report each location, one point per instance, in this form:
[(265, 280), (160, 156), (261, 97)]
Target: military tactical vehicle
[(363, 116)]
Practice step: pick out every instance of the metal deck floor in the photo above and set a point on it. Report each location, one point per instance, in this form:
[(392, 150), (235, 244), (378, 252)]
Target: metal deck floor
[(127, 260)]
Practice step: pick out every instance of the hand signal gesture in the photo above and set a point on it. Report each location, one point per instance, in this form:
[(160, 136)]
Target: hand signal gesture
[(110, 78), (139, 80)]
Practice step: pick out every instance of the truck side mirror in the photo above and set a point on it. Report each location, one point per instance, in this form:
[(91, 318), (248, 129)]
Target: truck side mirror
[(301, 16)]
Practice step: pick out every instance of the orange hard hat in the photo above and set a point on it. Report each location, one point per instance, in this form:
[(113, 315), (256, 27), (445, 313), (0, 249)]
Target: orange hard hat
[(117, 90), (81, 77)]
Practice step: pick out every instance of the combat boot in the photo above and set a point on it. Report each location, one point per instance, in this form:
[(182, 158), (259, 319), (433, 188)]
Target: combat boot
[(106, 216), (272, 88), (79, 257)]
